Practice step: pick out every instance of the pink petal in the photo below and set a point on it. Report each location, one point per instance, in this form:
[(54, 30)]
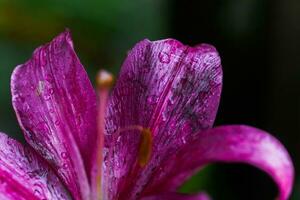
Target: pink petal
[(170, 88), (177, 196), (56, 108), (235, 143), (23, 175)]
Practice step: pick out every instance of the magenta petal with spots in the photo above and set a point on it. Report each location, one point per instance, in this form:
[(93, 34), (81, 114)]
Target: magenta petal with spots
[(177, 196), (233, 143), (168, 87), (24, 176), (56, 108), (158, 127)]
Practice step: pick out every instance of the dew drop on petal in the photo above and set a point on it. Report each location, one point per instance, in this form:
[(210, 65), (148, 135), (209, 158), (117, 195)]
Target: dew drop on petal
[(164, 116), (164, 57), (57, 122), (64, 155), (65, 166), (152, 100), (183, 140)]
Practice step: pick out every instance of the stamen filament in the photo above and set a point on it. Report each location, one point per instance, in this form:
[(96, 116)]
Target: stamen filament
[(104, 83)]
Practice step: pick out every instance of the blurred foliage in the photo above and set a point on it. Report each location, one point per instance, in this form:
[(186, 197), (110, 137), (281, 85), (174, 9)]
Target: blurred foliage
[(99, 27), (102, 31)]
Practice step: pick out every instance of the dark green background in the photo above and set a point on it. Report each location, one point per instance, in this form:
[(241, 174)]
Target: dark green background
[(258, 41)]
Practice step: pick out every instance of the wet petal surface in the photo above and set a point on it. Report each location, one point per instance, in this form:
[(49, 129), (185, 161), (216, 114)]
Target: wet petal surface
[(56, 108), (170, 88), (23, 175)]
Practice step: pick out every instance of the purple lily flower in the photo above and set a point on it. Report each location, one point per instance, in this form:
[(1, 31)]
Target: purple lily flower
[(142, 141)]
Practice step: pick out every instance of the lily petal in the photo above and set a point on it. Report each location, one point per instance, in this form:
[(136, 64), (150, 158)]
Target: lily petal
[(234, 143), (24, 175), (177, 196), (165, 86), (56, 108)]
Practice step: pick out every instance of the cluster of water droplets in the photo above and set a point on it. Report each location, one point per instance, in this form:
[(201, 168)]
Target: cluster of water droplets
[(170, 88), (24, 167), (55, 106)]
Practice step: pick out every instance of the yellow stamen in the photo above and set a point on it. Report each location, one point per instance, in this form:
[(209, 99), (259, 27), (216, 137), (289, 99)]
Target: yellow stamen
[(145, 147)]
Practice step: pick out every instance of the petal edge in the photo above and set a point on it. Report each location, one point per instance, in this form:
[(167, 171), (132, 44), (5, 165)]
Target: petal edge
[(56, 108), (24, 175)]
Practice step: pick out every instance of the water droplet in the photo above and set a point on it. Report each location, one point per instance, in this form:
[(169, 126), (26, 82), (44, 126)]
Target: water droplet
[(26, 108), (164, 116), (51, 91), (9, 142), (194, 60), (152, 100), (37, 192), (57, 122), (43, 128), (119, 139), (32, 88), (64, 155), (65, 166), (18, 98), (209, 58), (183, 140), (164, 57), (171, 100), (48, 93)]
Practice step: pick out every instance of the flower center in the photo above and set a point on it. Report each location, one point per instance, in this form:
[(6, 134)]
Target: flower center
[(104, 83)]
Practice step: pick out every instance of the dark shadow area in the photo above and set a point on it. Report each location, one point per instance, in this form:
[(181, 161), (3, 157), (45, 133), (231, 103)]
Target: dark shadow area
[(259, 46)]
